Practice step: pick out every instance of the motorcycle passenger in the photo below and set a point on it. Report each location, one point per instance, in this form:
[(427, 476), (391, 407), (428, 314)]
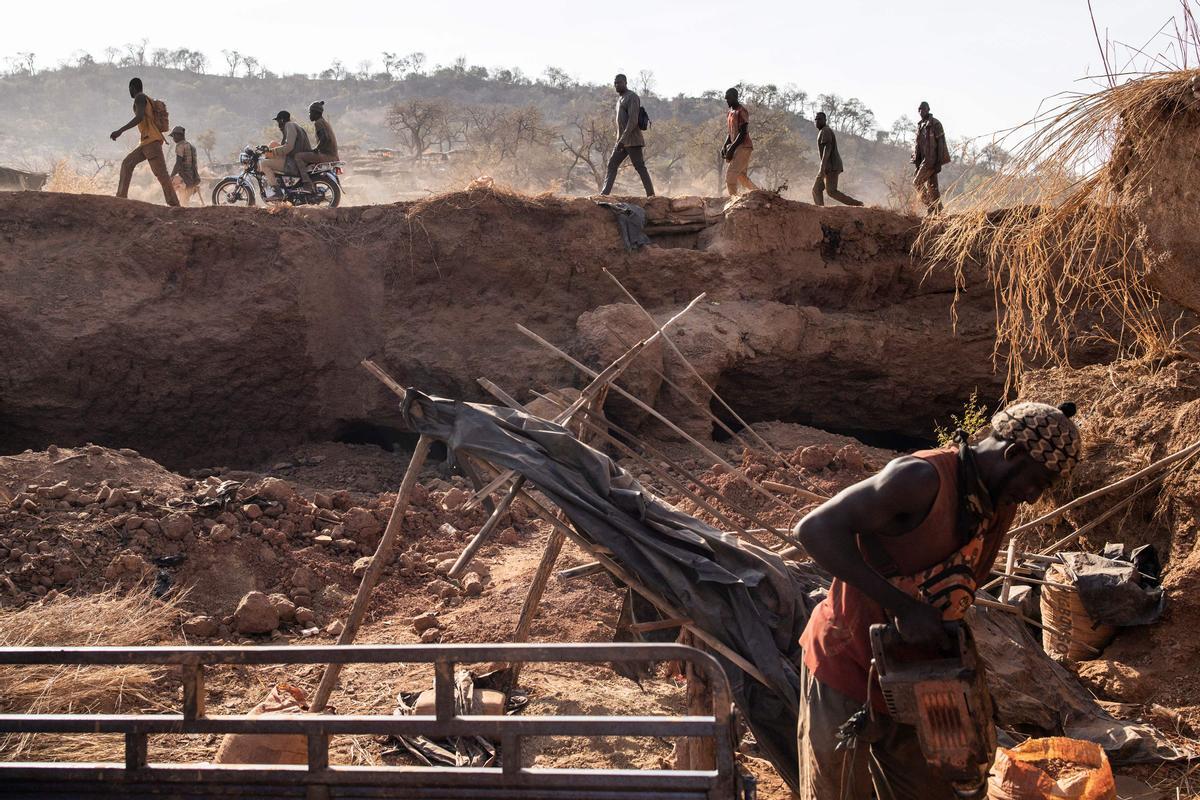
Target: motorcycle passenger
[(326, 145), (295, 142)]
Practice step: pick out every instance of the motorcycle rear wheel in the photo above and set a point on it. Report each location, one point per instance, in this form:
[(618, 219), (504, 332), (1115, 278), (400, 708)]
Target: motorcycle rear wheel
[(229, 192), (329, 192)]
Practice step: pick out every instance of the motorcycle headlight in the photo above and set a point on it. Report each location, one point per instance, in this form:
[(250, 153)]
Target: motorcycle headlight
[(244, 159)]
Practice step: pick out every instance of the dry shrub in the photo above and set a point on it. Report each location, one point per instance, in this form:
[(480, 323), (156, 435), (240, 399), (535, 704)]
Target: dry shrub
[(65, 178), (1069, 256), (108, 618)]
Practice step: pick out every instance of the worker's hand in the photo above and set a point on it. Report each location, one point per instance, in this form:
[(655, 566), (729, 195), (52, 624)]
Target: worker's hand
[(921, 624), (115, 135)]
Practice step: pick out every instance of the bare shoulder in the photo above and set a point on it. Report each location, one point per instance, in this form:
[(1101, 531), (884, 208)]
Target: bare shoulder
[(907, 484)]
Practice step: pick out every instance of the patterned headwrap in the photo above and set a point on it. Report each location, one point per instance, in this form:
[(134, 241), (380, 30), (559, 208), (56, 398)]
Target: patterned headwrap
[(1046, 431)]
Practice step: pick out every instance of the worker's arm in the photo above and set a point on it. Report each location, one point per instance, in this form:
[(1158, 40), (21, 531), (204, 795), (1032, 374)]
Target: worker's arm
[(178, 164), (741, 135), (289, 141), (825, 151), (891, 503), (631, 123), (139, 112)]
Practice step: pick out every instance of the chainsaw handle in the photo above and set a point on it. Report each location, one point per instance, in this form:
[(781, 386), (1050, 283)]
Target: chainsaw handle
[(885, 637)]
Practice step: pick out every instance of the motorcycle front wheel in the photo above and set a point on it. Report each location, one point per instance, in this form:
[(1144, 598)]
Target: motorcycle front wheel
[(329, 194), (230, 192)]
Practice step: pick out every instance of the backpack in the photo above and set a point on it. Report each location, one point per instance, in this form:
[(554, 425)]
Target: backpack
[(643, 119), (162, 119)]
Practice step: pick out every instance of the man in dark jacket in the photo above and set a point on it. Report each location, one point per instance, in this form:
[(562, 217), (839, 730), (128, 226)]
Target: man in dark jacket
[(295, 142), (630, 141), (929, 154)]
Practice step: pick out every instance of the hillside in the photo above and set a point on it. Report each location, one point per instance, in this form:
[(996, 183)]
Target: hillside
[(531, 135)]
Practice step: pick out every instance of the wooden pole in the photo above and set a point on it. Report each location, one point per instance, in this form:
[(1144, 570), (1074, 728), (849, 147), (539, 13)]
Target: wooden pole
[(696, 374), (378, 561), (657, 415), (701, 486), (537, 588), (1010, 564), (627, 450), (600, 383), (1186, 452)]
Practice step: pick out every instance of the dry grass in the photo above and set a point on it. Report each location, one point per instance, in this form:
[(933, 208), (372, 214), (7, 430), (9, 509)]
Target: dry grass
[(1067, 256), (108, 618), (65, 178)]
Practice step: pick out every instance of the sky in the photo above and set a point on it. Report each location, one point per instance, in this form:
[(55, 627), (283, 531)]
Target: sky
[(983, 66)]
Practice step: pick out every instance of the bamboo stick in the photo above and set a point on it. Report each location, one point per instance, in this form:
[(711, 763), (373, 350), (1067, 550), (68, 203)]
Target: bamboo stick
[(657, 415), (599, 383), (812, 497), (666, 476), (1186, 452), (701, 486), (378, 561), (712, 391)]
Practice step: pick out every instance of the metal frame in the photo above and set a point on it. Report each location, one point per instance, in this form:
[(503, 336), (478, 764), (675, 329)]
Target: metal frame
[(321, 780)]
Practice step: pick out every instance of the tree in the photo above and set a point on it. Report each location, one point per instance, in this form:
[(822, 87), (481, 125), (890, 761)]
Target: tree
[(904, 131), (207, 141), (645, 83), (364, 69), (135, 53), (856, 118), (232, 59), (111, 53), (335, 72), (251, 65), (558, 78), (160, 57), (587, 141), (416, 121)]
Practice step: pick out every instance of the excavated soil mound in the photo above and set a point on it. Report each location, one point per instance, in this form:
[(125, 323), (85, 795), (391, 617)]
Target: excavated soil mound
[(1131, 415), (219, 335)]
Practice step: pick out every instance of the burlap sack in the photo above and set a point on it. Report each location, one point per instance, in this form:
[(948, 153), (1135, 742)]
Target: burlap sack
[(269, 748), (1056, 768)]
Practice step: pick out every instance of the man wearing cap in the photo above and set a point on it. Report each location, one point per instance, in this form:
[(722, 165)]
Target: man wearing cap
[(930, 152), (295, 141), (909, 545), (185, 175)]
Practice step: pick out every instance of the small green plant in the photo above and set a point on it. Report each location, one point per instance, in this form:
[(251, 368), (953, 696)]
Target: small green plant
[(974, 418)]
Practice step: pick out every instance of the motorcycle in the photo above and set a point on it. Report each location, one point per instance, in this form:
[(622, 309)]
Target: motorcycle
[(238, 190)]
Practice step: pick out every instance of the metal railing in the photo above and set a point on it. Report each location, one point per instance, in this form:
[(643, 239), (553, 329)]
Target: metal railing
[(319, 779)]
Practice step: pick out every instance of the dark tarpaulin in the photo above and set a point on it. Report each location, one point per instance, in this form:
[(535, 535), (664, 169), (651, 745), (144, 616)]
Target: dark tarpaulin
[(749, 598), (743, 595), (1116, 589)]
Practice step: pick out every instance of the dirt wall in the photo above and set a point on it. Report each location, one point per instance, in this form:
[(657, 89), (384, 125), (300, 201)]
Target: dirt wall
[(201, 336)]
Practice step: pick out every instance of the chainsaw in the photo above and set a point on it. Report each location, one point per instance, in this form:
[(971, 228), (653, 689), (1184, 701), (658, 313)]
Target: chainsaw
[(943, 695)]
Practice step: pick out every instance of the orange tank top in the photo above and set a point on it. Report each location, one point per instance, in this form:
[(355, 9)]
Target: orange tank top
[(836, 641)]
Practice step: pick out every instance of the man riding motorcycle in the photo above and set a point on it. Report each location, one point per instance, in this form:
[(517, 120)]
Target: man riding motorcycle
[(295, 142), (326, 151)]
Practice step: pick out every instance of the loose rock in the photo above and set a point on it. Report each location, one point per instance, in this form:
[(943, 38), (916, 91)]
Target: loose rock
[(255, 614)]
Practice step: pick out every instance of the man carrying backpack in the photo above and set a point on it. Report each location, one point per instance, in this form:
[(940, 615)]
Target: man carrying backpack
[(150, 146), (631, 121)]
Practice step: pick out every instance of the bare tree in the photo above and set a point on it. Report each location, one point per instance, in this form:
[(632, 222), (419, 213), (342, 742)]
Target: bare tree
[(111, 53), (645, 82), (160, 57), (364, 69), (390, 62), (135, 53), (251, 65), (98, 164), (588, 141), (904, 131), (416, 122), (558, 78), (232, 59), (335, 72)]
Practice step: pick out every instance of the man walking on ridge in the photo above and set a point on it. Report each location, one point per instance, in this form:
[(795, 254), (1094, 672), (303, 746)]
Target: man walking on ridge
[(630, 141), (150, 145), (831, 166), (929, 154), (185, 174), (738, 145), (910, 546)]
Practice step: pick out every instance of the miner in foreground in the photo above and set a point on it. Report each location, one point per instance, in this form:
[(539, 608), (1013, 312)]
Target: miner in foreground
[(909, 546)]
